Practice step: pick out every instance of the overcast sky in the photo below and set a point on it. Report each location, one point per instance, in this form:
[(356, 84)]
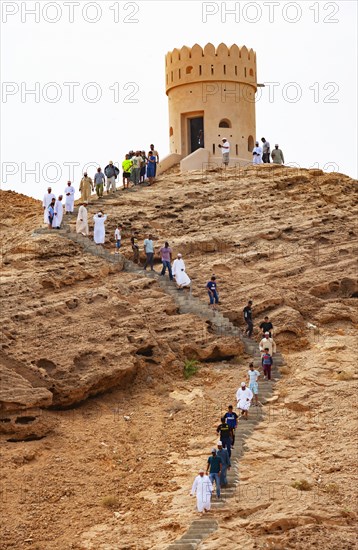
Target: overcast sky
[(98, 72)]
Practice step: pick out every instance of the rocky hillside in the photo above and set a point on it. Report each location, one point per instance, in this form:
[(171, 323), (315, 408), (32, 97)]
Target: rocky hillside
[(77, 326)]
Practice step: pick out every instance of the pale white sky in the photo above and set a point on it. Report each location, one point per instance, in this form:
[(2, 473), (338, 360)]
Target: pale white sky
[(310, 44)]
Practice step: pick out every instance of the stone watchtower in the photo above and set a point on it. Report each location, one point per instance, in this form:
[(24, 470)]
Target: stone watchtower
[(211, 95)]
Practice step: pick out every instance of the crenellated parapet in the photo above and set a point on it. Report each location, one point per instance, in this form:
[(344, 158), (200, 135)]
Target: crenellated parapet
[(223, 64)]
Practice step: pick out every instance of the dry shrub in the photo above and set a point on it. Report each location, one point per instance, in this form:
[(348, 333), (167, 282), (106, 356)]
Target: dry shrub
[(283, 392), (161, 390), (136, 436), (179, 406), (331, 488), (175, 406), (110, 502), (302, 485)]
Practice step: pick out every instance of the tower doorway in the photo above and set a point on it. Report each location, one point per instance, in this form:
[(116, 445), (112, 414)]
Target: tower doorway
[(196, 133)]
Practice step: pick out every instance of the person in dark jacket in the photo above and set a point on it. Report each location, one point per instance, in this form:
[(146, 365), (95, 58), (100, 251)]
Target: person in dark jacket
[(248, 318), (111, 172)]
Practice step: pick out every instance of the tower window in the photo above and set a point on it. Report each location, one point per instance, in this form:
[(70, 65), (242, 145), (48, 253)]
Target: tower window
[(237, 150), (212, 69), (225, 123), (213, 148), (251, 72), (179, 73), (250, 143), (167, 78), (171, 132), (236, 70), (171, 75), (245, 71), (199, 69), (224, 69), (189, 69)]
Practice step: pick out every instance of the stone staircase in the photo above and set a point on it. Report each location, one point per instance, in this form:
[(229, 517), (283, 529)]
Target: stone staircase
[(202, 528), (187, 303), (198, 530)]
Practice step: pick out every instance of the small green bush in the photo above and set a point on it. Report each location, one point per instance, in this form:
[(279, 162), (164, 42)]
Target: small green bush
[(302, 485), (190, 368)]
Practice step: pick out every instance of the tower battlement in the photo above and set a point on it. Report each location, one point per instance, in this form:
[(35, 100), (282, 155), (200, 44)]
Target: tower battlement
[(211, 94), (223, 64)]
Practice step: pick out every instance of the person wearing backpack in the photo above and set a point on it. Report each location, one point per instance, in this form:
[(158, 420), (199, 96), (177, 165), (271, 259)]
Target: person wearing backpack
[(266, 364), (111, 172)]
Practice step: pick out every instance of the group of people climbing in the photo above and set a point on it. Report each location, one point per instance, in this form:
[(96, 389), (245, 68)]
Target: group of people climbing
[(137, 166), (219, 462)]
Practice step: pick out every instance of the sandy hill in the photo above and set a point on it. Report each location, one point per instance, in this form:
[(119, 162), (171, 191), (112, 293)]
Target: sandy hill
[(87, 342)]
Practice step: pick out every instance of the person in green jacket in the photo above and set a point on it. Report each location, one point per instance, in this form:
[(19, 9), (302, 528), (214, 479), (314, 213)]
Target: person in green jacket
[(127, 166)]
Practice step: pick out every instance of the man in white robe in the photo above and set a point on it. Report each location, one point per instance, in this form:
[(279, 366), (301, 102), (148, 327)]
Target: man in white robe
[(46, 203), (178, 271), (269, 343), (202, 488), (82, 220), (99, 233), (257, 154), (244, 396), (70, 198), (58, 214)]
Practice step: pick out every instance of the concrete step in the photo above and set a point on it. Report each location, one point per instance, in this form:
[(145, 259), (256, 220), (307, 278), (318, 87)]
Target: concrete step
[(207, 523), (196, 535), (190, 539), (218, 504), (182, 546), (228, 496), (250, 423)]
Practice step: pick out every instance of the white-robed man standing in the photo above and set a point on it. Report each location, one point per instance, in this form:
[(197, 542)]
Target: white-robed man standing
[(178, 270), (70, 198), (202, 488), (82, 219), (99, 233), (58, 213), (269, 343), (257, 154), (244, 396), (46, 203)]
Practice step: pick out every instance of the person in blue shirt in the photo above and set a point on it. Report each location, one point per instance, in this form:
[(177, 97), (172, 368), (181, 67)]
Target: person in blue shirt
[(266, 364), (51, 213), (231, 420), (213, 292), (225, 463), (213, 468)]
